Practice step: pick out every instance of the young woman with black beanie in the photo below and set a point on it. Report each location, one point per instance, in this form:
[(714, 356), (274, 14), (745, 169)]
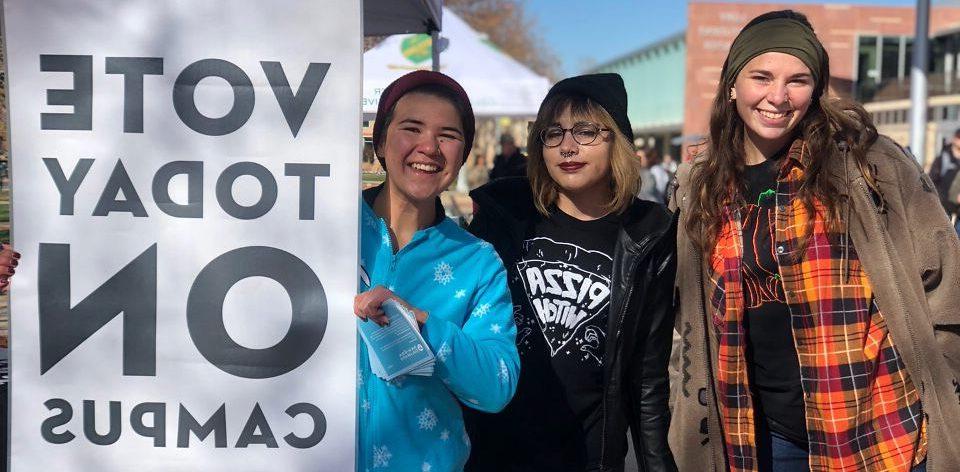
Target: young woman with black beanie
[(590, 269), (817, 275)]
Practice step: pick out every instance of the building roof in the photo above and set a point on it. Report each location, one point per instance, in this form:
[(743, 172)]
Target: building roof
[(654, 76), (638, 53)]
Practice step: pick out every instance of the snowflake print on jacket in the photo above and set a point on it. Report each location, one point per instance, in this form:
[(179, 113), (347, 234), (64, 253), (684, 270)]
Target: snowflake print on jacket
[(409, 424)]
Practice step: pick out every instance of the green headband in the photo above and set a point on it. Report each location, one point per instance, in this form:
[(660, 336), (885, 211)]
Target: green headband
[(784, 35)]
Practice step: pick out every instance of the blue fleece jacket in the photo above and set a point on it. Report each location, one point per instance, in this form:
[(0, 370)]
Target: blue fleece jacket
[(415, 423)]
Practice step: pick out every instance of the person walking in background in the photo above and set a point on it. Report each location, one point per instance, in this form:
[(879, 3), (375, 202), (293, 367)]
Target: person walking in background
[(669, 164), (3, 173), (647, 188), (817, 277), (591, 275), (478, 174), (510, 162), (953, 194), (9, 260), (654, 177), (944, 170)]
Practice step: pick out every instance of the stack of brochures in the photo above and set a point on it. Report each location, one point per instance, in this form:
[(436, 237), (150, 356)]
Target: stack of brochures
[(396, 348)]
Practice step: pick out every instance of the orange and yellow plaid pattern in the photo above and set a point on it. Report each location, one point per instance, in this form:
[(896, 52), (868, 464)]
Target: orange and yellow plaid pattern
[(863, 412)]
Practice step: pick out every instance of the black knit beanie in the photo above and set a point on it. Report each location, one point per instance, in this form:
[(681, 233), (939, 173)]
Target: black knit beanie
[(605, 89)]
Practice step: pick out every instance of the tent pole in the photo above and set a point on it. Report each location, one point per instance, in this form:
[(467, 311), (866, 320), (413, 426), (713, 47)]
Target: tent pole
[(435, 49), (918, 83)]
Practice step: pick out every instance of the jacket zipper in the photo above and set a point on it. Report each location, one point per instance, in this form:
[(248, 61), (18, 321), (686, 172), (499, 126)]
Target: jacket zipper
[(616, 345), (705, 359), (698, 258)]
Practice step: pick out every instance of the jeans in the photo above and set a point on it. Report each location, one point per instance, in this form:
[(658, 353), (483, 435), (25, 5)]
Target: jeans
[(777, 454)]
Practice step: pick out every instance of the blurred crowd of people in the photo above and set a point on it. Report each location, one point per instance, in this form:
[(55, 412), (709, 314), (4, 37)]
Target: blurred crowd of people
[(945, 174), (656, 169)]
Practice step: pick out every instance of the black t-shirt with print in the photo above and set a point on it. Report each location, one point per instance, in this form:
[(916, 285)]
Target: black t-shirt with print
[(565, 270), (774, 368)]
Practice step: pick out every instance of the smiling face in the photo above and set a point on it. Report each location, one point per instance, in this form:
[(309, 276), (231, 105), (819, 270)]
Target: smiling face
[(579, 168), (772, 94), (423, 147)]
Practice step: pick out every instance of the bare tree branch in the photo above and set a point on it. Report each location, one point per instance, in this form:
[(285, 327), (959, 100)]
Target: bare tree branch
[(508, 27)]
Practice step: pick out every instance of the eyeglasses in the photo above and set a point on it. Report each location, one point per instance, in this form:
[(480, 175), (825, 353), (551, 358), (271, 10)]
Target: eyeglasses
[(583, 134)]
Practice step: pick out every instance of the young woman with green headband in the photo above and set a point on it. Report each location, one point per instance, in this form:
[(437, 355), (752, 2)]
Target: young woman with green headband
[(817, 275)]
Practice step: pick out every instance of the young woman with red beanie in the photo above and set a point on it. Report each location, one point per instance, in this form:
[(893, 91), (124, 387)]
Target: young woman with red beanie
[(453, 282)]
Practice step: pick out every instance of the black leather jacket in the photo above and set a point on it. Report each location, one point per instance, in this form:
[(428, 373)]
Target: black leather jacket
[(636, 382)]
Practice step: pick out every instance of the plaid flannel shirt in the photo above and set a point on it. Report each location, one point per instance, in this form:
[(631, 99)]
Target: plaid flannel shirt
[(863, 411)]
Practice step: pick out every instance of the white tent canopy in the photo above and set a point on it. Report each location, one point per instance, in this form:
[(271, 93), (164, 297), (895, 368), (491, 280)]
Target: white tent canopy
[(496, 83), (385, 17)]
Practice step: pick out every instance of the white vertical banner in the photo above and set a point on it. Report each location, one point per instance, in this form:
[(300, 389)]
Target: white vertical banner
[(185, 200)]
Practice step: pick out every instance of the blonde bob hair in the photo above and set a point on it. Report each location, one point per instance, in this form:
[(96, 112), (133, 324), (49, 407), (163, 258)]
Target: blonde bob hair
[(624, 166)]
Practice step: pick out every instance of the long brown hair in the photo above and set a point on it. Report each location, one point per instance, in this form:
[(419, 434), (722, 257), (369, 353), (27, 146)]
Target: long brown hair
[(624, 167), (717, 180)]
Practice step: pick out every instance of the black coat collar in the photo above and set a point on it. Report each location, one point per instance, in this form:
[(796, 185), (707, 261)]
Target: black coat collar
[(512, 199)]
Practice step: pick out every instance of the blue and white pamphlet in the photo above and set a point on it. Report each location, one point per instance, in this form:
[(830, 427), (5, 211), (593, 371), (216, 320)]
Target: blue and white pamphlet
[(396, 348)]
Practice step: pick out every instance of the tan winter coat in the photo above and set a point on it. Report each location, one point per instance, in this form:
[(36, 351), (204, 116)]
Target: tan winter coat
[(911, 255)]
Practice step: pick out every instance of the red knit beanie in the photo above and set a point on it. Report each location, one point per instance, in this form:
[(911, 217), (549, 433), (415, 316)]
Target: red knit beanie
[(398, 88)]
